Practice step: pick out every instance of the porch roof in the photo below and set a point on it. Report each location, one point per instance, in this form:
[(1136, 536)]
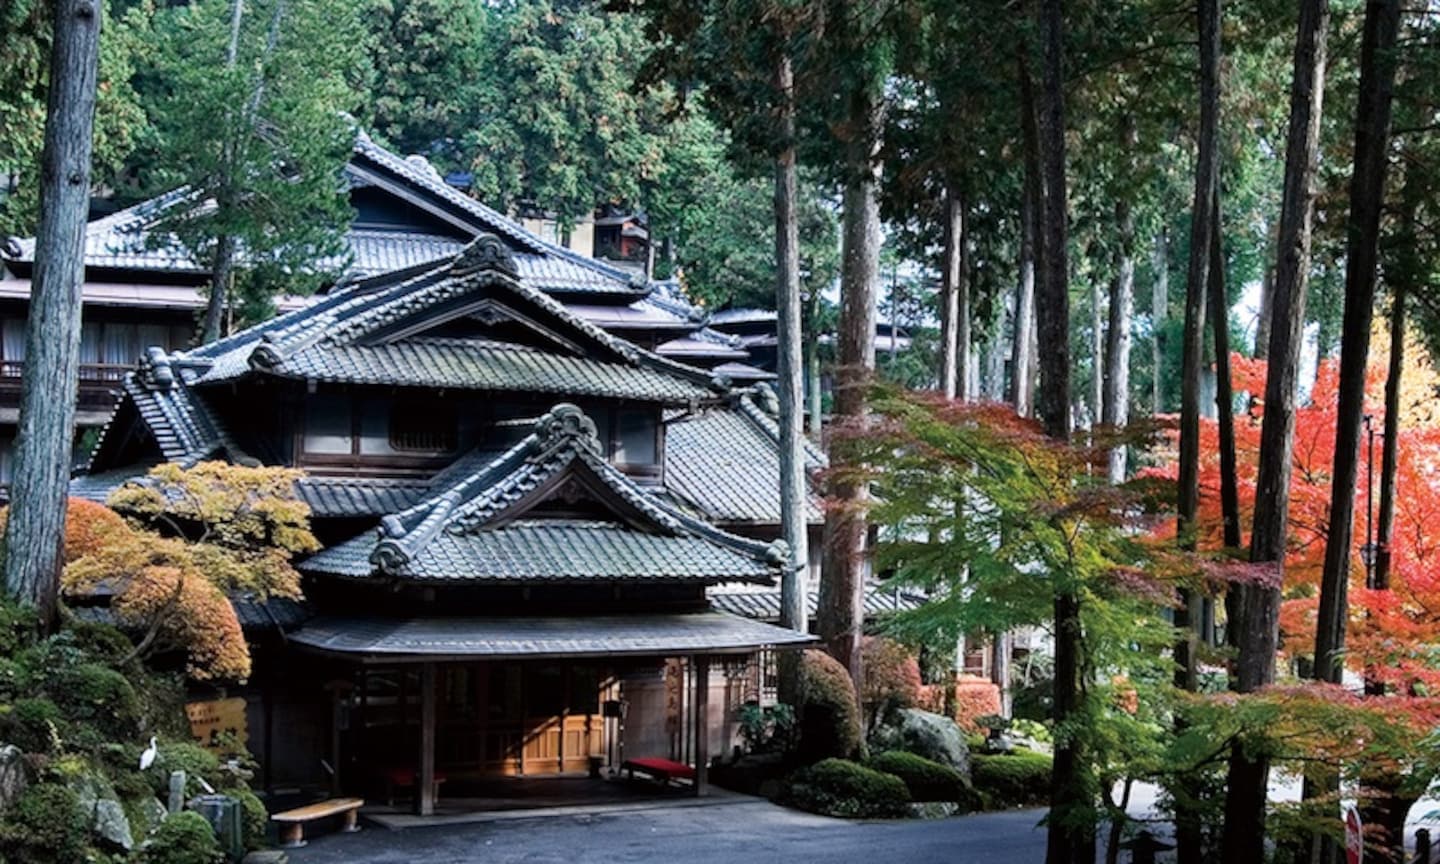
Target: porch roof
[(377, 639)]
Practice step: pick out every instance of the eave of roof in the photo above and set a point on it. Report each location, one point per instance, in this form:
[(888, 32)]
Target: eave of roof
[(536, 638)]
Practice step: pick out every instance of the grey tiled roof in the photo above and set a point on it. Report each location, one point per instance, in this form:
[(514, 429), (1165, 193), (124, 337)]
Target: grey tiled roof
[(123, 239), (554, 550), (254, 615), (359, 496), (725, 463), (482, 528), (343, 339), (566, 270), (764, 603), (97, 487), (375, 252), (484, 365), (537, 638), (126, 239)]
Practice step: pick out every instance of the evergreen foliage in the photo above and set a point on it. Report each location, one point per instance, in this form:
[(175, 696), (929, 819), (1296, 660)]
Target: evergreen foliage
[(1018, 779), (925, 780), (250, 105), (838, 787)]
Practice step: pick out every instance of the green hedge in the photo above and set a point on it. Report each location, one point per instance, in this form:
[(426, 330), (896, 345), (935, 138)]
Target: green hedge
[(184, 838), (1015, 779), (838, 787), (926, 780)]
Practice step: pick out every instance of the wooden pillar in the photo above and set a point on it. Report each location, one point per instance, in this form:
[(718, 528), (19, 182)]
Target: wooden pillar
[(702, 726), (425, 782)]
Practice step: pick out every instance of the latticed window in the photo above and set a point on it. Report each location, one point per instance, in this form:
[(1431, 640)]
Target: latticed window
[(431, 428)]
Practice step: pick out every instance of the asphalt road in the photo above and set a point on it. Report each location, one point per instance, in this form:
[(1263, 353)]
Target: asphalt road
[(750, 831)]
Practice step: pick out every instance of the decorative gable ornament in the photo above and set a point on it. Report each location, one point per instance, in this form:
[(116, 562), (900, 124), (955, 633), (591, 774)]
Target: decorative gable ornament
[(564, 424), (486, 252), (155, 372)]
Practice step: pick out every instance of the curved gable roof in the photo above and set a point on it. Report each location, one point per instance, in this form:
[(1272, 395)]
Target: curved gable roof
[(485, 527)]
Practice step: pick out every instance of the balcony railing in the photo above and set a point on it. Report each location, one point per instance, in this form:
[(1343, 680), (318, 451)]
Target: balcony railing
[(99, 383)]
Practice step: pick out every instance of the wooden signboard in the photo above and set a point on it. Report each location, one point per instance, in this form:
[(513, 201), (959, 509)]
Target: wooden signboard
[(218, 722)]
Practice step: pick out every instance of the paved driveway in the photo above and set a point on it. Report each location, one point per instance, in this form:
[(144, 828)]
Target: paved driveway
[(750, 831)]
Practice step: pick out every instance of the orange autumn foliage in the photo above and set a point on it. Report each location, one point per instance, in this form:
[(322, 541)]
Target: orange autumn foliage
[(174, 548), (88, 527), (1389, 631)]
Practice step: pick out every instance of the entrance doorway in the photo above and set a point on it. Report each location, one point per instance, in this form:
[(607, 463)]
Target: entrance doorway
[(492, 720)]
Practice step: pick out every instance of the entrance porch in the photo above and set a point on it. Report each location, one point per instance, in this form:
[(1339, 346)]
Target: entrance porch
[(454, 709)]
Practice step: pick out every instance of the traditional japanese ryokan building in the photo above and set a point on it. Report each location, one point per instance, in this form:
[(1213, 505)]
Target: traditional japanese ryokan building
[(547, 492)]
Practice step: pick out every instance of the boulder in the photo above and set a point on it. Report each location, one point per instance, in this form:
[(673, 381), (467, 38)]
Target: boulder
[(102, 809), (152, 813), (933, 736), (13, 779), (111, 826)]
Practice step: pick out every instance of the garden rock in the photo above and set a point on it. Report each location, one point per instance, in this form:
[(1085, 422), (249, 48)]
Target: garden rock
[(111, 825), (13, 780), (935, 810), (152, 813), (933, 736)]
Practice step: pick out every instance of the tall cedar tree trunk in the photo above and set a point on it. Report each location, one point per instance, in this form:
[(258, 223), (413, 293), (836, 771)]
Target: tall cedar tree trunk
[(791, 385), (1218, 303), (36, 531), (1386, 807), (842, 583), (1267, 300), (1022, 352), (1159, 312), (1248, 775), (950, 365), (1096, 408), (1189, 836), (1362, 251), (1071, 827), (812, 366), (965, 377), (1385, 522), (1117, 338)]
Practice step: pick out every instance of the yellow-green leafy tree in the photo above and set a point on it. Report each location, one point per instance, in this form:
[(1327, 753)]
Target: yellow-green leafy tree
[(173, 547)]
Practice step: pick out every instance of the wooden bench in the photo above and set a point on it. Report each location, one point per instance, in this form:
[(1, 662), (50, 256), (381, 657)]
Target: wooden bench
[(292, 822), (663, 770)]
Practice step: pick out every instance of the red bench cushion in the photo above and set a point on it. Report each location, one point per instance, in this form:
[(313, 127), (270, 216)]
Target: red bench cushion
[(406, 776), (662, 766)]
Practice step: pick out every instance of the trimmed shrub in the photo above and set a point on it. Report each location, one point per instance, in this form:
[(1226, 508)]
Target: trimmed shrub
[(838, 787), (925, 780), (185, 756), (975, 698), (829, 716), (891, 676), (45, 827), (254, 821), (1017, 779), (184, 838)]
